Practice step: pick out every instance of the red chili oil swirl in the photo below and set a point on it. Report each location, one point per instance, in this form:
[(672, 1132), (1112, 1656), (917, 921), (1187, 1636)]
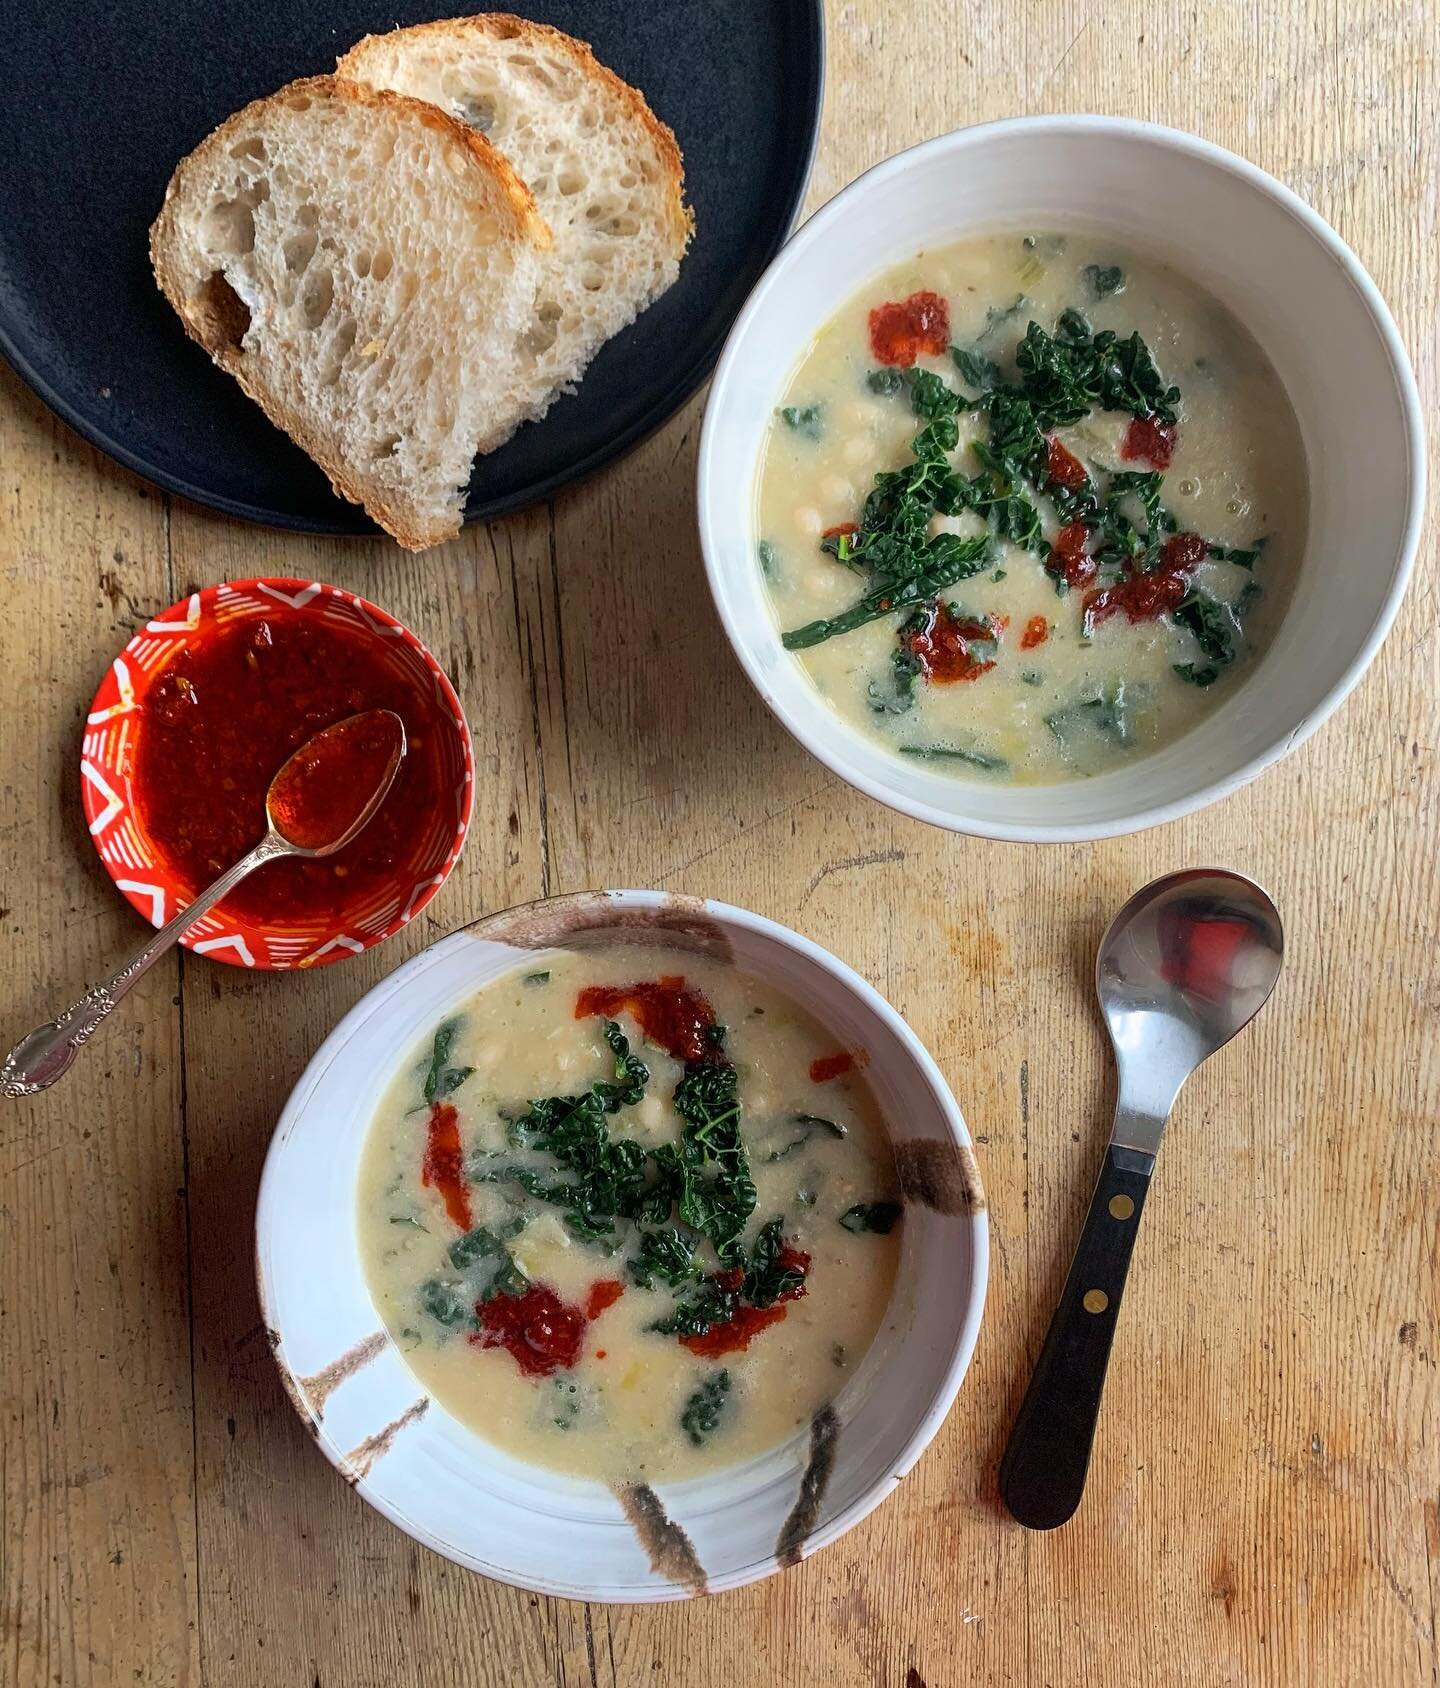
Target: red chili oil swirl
[(839, 528), (1149, 440), (825, 1067), (442, 1168), (672, 1016), (904, 329), (1063, 467), (1037, 631), (541, 1333), (604, 1292), (537, 1329), (737, 1333), (1068, 553), (1142, 597), (943, 646)]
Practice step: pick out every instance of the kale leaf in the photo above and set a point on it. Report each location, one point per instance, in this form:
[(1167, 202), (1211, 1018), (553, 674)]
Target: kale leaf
[(442, 1079), (806, 419), (871, 1216), (1104, 279), (806, 1127), (705, 1408), (667, 1254), (768, 1277)]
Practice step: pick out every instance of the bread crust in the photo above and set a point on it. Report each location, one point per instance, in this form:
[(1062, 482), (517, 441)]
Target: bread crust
[(513, 196), (506, 26)]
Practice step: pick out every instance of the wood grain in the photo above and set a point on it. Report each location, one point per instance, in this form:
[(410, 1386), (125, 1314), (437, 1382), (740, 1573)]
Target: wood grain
[(1263, 1501)]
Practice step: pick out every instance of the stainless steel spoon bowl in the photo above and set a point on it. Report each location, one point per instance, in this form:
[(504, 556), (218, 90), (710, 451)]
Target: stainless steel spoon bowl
[(40, 1058), (1185, 965)]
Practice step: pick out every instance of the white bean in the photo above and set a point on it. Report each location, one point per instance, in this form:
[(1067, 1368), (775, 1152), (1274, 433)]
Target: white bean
[(808, 519), (858, 413)]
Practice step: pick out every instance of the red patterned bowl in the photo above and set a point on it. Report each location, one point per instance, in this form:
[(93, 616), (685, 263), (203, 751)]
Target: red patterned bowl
[(150, 878)]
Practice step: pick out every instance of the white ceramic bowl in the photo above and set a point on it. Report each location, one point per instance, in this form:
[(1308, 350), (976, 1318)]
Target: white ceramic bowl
[(1282, 271), (539, 1529)]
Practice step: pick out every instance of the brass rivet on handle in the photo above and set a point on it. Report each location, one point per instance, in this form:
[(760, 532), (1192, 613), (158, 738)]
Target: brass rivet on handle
[(1121, 1207), (1095, 1301)]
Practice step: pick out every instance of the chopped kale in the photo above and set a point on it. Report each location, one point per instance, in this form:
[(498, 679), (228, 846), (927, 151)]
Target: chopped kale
[(1074, 371), (1107, 713), (714, 1301), (804, 1128), (806, 419), (768, 1277), (541, 978), (953, 753), (667, 1254), (1103, 280), (948, 559), (706, 1407), (446, 1303), (871, 1216), (479, 1244), (976, 370), (441, 1079), (1215, 627), (885, 381), (995, 315), (768, 558), (1244, 557)]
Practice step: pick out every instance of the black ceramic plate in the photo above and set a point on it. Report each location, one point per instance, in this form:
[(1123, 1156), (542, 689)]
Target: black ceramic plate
[(105, 99)]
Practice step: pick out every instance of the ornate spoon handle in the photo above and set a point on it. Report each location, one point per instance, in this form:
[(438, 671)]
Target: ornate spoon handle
[(39, 1059)]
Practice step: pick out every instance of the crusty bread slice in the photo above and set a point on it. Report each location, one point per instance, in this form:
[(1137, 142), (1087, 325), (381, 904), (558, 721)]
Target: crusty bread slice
[(605, 172), (364, 266)]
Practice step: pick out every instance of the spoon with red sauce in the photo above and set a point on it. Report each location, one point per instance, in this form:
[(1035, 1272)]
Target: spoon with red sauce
[(324, 793)]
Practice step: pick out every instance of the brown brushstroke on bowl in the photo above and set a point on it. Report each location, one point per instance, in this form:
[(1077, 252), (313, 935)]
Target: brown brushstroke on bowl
[(361, 1460), (321, 1385), (666, 1545), (594, 919), (941, 1175), (798, 1527)]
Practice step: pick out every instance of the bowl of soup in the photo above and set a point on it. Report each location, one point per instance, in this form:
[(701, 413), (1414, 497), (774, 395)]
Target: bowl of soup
[(623, 1247), (1059, 476)]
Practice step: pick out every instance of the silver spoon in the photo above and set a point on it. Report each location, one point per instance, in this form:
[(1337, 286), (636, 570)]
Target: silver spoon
[(1185, 965), (39, 1059)]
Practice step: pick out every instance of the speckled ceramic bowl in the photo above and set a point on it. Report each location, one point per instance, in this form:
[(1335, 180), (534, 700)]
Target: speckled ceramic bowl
[(541, 1529)]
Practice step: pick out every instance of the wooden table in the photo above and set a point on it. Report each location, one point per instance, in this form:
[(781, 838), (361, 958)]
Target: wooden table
[(1262, 1507)]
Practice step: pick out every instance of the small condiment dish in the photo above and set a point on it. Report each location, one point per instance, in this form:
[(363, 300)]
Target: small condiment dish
[(1261, 252), (430, 803), (534, 1527)]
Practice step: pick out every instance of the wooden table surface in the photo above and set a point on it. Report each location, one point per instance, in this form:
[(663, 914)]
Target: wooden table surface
[(1262, 1506)]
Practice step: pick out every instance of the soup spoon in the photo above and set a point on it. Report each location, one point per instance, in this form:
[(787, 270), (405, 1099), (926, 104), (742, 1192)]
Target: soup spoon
[(325, 792), (1187, 963)]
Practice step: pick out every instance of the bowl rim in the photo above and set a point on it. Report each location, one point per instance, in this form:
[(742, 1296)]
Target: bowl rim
[(98, 806), (829, 749), (491, 926)]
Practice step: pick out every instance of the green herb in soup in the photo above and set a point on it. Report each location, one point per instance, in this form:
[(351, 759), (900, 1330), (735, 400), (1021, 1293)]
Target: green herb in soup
[(706, 1408), (587, 1241), (1027, 448)]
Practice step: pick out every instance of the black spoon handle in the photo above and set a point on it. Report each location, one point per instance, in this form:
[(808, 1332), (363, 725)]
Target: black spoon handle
[(1042, 1475)]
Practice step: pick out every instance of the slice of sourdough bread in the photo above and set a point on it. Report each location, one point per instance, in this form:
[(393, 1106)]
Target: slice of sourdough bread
[(364, 266), (606, 174)]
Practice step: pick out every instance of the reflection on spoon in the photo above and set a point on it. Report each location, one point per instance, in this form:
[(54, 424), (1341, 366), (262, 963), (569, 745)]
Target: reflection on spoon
[(320, 799)]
